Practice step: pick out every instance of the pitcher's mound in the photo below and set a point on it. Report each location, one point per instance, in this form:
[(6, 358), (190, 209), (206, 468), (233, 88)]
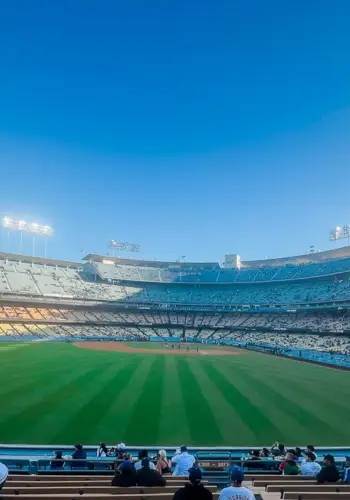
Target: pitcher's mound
[(121, 347)]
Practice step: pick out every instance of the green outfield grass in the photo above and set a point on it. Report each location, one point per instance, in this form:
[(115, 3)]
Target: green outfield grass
[(61, 394)]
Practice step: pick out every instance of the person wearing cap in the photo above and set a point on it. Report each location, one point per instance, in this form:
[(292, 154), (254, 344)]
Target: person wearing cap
[(194, 489), (236, 491), (329, 473), (141, 455), (309, 467), (146, 476), (346, 473), (4, 472), (125, 475), (183, 462), (79, 454)]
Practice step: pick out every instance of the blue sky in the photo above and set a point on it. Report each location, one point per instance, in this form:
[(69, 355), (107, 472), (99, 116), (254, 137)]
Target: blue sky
[(194, 128)]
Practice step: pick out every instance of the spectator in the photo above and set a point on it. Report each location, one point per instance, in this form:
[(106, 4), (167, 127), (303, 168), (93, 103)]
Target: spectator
[(329, 473), (309, 467), (289, 456), (183, 462), (265, 453), (120, 450), (141, 455), (79, 454), (146, 476), (58, 461), (278, 449), (346, 473), (253, 461), (291, 468), (298, 453), (102, 451), (194, 489), (125, 475), (236, 491), (163, 465), (311, 448), (4, 472)]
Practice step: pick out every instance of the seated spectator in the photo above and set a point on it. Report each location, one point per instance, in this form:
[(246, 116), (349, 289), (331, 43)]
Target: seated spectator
[(141, 455), (58, 461), (298, 453), (309, 467), (291, 468), (4, 472), (236, 491), (102, 451), (346, 472), (183, 462), (79, 454), (194, 489), (264, 453), (125, 475), (163, 465), (278, 449), (329, 472), (289, 456), (310, 448), (252, 463), (146, 476), (120, 450)]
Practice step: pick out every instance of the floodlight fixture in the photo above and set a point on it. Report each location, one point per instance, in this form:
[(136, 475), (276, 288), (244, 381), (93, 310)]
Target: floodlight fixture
[(31, 228), (340, 233), (124, 245)]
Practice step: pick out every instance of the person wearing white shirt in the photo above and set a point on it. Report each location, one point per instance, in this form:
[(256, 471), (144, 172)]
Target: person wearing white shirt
[(102, 451), (309, 467), (183, 462), (143, 454), (4, 472), (236, 491)]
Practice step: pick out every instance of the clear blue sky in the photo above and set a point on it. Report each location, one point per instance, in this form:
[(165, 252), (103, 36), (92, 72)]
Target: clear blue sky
[(194, 128)]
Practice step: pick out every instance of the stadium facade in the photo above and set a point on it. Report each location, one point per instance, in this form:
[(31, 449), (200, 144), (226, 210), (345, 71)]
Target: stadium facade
[(293, 304)]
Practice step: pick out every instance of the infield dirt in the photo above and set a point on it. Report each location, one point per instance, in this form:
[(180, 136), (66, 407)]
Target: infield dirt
[(120, 347)]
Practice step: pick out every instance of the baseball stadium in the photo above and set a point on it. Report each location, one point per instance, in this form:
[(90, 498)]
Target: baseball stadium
[(155, 354)]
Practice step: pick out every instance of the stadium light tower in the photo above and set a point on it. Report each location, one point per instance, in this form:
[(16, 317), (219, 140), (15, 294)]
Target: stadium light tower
[(34, 229), (124, 246), (340, 233)]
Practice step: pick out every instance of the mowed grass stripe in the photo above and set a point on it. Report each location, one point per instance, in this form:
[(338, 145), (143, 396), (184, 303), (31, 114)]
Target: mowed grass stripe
[(97, 404), (295, 409), (144, 420), (303, 372), (287, 426), (200, 417), (173, 426), (308, 390), (258, 422), (114, 423), (21, 422), (68, 410), (37, 383), (231, 421)]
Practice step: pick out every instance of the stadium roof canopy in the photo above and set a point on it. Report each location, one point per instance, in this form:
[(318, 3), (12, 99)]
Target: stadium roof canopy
[(151, 263), (338, 253), (38, 260)]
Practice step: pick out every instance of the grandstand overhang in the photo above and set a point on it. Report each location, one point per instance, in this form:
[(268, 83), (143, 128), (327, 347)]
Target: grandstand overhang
[(150, 263), (38, 260)]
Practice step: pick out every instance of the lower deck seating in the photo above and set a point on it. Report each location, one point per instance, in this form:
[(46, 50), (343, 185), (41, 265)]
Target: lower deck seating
[(273, 487), (86, 486)]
